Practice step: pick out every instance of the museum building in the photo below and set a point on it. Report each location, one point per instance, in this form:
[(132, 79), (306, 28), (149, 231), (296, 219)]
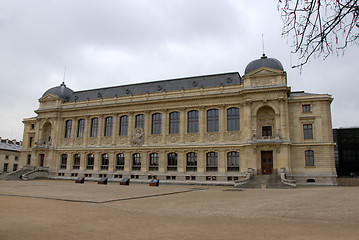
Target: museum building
[(214, 128)]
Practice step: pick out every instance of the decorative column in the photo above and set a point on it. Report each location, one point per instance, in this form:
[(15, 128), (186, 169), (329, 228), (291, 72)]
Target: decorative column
[(131, 127), (201, 161), (164, 124), (222, 161), (202, 123), (183, 121), (128, 162), (115, 128), (147, 129), (181, 162), (83, 161), (97, 161), (222, 122), (162, 163), (111, 160), (100, 129), (87, 130)]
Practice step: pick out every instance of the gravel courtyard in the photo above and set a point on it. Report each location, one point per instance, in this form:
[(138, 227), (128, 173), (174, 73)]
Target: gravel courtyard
[(45, 209)]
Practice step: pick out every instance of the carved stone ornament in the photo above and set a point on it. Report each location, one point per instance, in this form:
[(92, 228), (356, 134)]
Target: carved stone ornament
[(173, 139), (137, 139)]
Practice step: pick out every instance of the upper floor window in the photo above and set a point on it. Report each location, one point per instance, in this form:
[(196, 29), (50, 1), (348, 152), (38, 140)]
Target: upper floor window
[(120, 161), (108, 126), (266, 131), (123, 125), (212, 120), (233, 119), (68, 126), (308, 131), (309, 158), (140, 121), (156, 123), (94, 127), (77, 159), (174, 122), (192, 121), (80, 127), (306, 108), (172, 162), (63, 161), (191, 162), (233, 161), (211, 161), (153, 162)]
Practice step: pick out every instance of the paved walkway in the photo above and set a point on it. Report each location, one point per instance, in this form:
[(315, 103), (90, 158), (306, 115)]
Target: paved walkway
[(45, 209)]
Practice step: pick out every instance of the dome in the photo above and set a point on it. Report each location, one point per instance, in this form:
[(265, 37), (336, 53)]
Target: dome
[(60, 91), (264, 61)]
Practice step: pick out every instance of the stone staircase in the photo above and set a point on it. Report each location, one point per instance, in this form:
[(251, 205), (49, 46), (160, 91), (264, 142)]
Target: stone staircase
[(15, 175), (265, 181)]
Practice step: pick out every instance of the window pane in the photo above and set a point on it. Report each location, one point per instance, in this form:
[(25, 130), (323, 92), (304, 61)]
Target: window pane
[(80, 127), (90, 161), (172, 162), (212, 120), (123, 125), (108, 126), (68, 125), (308, 131), (211, 161), (153, 162), (105, 161), (136, 161), (120, 161), (94, 127), (233, 161), (233, 119), (77, 160), (306, 108), (174, 122), (266, 131), (309, 158), (191, 162), (156, 123), (63, 161), (140, 121), (192, 124)]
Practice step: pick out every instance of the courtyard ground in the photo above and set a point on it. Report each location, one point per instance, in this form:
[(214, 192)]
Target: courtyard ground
[(45, 209)]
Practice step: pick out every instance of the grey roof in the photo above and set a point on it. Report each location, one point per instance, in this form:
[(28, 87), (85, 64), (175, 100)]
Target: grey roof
[(301, 93), (9, 145), (264, 61), (60, 91), (159, 86)]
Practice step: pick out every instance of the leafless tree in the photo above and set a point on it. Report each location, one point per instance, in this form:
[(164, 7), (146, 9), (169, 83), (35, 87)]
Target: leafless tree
[(319, 27)]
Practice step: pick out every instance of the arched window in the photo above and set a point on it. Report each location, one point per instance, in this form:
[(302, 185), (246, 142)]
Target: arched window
[(63, 163), (90, 161), (77, 159), (172, 162), (94, 127), (68, 126), (136, 162), (192, 121), (212, 120), (108, 126), (211, 162), (191, 162), (120, 161), (174, 122), (233, 119), (123, 125), (156, 123), (80, 128), (153, 162), (309, 158), (233, 161), (105, 161), (140, 121)]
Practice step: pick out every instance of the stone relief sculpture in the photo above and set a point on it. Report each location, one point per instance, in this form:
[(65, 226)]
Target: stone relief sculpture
[(137, 139)]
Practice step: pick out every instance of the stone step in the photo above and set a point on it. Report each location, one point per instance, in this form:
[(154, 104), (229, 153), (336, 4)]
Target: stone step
[(265, 181)]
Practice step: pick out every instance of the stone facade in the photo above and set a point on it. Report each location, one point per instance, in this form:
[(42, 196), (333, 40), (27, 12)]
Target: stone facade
[(9, 155), (211, 129)]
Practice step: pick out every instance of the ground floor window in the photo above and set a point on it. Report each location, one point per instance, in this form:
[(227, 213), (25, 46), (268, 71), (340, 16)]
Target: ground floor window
[(105, 161), (63, 163), (172, 162), (233, 161), (76, 161), (90, 161), (136, 162), (191, 165), (153, 162), (309, 158), (211, 162), (120, 161)]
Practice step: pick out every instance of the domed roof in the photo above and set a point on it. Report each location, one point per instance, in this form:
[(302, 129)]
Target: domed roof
[(264, 61), (60, 91)]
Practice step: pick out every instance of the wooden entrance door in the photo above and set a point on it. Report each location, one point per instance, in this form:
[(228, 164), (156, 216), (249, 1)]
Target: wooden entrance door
[(267, 162)]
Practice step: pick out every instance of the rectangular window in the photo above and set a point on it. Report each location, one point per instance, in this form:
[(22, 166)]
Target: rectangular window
[(156, 123), (233, 119), (30, 141), (77, 159), (174, 122), (191, 162), (266, 131), (192, 121), (28, 159), (63, 163), (306, 108), (136, 162), (80, 128), (309, 158), (123, 125), (153, 162), (5, 167), (211, 162), (308, 131), (212, 120), (108, 126), (90, 161), (68, 126), (172, 162), (94, 127), (105, 161), (232, 161), (120, 161), (140, 121)]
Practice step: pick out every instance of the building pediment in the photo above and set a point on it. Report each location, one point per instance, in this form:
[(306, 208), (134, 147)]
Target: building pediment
[(264, 71), (48, 97)]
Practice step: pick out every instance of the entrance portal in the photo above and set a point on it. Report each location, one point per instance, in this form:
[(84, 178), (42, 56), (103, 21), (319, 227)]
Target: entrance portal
[(267, 162)]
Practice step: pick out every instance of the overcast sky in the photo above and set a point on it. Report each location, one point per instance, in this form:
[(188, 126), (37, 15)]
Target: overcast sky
[(115, 42)]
